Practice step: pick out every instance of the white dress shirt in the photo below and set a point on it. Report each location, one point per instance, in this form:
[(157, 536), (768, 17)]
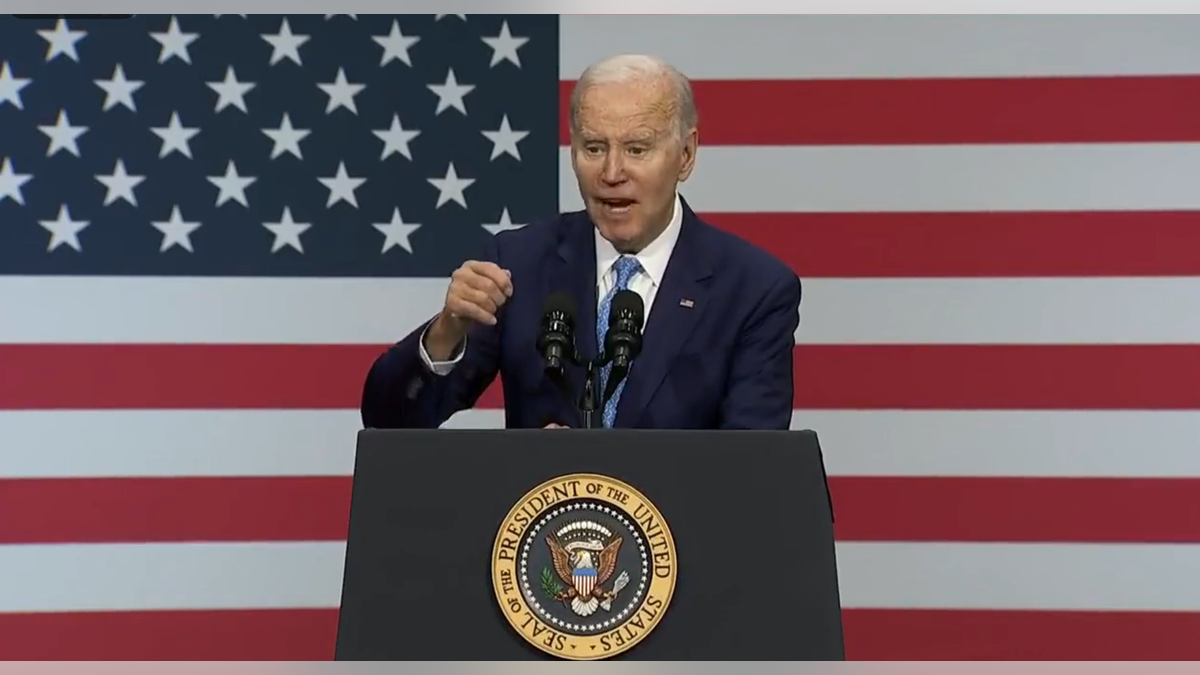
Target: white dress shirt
[(654, 259)]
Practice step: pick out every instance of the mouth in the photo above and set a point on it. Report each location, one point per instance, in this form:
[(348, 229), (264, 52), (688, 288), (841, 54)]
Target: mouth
[(616, 207)]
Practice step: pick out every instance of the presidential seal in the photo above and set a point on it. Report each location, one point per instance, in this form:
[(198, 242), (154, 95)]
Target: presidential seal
[(584, 567)]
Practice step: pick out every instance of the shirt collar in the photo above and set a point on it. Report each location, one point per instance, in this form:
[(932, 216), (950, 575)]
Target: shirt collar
[(654, 257)]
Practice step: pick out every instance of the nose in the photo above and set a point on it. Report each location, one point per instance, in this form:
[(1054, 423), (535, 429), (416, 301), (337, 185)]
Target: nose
[(614, 169)]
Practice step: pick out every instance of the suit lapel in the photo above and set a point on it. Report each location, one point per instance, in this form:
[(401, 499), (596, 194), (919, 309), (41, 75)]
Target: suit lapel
[(678, 306)]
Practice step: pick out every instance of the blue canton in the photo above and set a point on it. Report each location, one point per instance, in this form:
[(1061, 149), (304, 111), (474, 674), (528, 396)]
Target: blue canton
[(268, 145)]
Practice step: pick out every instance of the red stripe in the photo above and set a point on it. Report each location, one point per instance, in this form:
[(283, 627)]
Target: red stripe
[(961, 509), (113, 377), (942, 111), (982, 244), (224, 635), (119, 510), (998, 377), (977, 635), (949, 377), (871, 635)]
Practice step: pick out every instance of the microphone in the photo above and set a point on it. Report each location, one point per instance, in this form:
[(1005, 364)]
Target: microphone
[(556, 343), (623, 342)]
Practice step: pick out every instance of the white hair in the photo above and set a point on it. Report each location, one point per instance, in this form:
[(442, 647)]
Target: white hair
[(625, 68)]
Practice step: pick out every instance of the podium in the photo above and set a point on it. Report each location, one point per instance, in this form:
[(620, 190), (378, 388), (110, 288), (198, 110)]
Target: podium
[(589, 544)]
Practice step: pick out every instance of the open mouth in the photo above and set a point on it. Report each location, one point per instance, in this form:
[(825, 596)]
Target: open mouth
[(617, 206)]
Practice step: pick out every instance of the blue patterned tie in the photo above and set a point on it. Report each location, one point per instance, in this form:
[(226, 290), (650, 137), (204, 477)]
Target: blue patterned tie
[(626, 267)]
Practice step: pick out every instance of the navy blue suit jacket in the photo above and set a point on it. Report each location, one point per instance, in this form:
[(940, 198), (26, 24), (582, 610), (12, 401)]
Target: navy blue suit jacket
[(722, 362)]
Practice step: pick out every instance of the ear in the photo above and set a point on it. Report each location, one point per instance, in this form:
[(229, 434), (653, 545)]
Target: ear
[(688, 161)]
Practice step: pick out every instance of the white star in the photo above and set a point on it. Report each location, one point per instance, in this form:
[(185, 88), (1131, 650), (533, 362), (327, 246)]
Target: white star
[(176, 232), (451, 94), (341, 93), (396, 233), (396, 139), (175, 137), (342, 186), (284, 44), (438, 17), (504, 46), (174, 43), (451, 187), (504, 140), (62, 135), (504, 225), (230, 92), (231, 185), (287, 232), (120, 185), (11, 182), (395, 45), (119, 90), (287, 139), (10, 87), (62, 41), (63, 230)]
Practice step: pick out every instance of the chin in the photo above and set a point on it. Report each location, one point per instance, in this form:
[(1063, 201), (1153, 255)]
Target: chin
[(620, 232)]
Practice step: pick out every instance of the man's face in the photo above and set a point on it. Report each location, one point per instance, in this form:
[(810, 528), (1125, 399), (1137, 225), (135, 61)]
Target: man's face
[(628, 160)]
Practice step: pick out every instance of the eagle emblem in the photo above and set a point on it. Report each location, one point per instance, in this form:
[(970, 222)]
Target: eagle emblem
[(585, 556)]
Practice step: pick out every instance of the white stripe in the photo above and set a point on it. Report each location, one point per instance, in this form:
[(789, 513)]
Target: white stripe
[(147, 310), (80, 577), (1120, 443), (883, 443), (170, 576), (801, 46), (1151, 176), (833, 311), (1020, 576), (177, 443), (1000, 311)]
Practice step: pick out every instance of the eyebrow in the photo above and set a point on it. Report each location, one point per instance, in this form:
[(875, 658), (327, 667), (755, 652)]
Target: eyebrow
[(640, 137)]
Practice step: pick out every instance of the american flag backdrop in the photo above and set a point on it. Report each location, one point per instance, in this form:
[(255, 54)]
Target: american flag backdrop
[(211, 225)]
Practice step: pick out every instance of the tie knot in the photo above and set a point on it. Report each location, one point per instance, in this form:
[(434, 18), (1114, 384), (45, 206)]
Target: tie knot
[(626, 267)]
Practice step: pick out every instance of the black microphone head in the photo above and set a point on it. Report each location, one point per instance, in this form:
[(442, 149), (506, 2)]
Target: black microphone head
[(560, 303), (629, 304), (556, 343)]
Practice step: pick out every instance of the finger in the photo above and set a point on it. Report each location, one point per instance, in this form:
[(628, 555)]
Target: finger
[(489, 302), (485, 285), (555, 426), (501, 277)]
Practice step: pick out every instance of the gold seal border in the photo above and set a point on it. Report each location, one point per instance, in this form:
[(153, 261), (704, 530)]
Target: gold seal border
[(521, 617)]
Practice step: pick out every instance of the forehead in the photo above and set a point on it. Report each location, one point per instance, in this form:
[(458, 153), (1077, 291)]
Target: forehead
[(628, 106)]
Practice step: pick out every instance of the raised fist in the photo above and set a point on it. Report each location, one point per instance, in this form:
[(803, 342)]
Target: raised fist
[(477, 292)]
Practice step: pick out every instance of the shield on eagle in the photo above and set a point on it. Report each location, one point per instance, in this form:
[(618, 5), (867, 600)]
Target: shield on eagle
[(585, 580)]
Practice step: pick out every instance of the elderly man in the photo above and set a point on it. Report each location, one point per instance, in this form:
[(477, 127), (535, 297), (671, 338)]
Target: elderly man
[(720, 314)]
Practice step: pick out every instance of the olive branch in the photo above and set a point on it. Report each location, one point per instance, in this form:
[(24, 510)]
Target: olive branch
[(550, 585)]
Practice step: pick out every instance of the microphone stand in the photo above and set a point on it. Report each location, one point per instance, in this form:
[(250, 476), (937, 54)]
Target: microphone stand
[(587, 402), (591, 399)]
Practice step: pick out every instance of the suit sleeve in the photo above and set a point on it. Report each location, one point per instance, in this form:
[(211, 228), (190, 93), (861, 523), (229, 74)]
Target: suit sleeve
[(761, 384), (401, 391)]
